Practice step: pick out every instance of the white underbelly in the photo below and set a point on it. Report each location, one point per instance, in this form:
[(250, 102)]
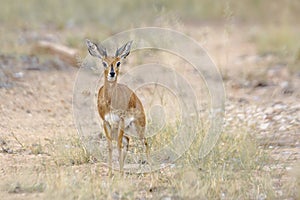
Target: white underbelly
[(112, 118), (114, 121)]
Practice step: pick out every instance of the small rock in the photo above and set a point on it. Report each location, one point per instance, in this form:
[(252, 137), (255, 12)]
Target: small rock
[(288, 168), (277, 117), (264, 126), (279, 106), (283, 120), (241, 116), (166, 198), (18, 75), (269, 110), (282, 128), (284, 84)]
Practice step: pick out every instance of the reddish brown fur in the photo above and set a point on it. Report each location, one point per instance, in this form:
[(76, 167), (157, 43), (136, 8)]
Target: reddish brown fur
[(118, 106), (118, 98)]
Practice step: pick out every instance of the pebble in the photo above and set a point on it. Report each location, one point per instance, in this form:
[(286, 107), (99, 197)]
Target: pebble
[(288, 168), (18, 75), (279, 106), (282, 128), (264, 126), (241, 116), (166, 198), (269, 110), (284, 84), (277, 117)]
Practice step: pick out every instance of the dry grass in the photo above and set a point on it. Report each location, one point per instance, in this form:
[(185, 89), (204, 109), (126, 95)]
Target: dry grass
[(233, 170), (283, 41)]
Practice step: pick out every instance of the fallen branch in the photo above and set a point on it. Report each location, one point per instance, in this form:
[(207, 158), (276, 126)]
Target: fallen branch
[(65, 53)]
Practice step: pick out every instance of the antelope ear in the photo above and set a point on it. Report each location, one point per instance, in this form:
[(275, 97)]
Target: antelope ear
[(96, 50), (124, 50)]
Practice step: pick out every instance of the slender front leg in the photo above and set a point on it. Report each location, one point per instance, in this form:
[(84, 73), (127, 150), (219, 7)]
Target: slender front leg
[(125, 140), (120, 145), (107, 131)]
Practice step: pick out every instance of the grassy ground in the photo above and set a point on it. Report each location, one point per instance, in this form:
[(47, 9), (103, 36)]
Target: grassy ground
[(233, 170), (255, 44)]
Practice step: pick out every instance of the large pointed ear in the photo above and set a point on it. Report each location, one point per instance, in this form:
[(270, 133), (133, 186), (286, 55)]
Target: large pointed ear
[(96, 50), (124, 50)]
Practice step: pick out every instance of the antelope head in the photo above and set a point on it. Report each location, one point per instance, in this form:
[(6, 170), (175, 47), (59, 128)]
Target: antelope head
[(111, 64)]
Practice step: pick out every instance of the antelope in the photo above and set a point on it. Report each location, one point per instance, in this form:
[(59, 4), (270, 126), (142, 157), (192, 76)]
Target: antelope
[(118, 106)]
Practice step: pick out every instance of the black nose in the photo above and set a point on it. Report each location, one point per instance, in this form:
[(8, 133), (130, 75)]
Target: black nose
[(112, 74)]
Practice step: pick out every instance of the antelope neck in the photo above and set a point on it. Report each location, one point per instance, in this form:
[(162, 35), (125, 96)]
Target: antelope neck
[(109, 88)]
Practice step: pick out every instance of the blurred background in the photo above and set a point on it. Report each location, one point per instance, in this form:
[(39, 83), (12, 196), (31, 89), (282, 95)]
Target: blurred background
[(273, 25)]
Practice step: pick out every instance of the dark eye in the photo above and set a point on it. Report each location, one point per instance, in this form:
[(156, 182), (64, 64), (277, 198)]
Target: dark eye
[(104, 64), (118, 64)]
